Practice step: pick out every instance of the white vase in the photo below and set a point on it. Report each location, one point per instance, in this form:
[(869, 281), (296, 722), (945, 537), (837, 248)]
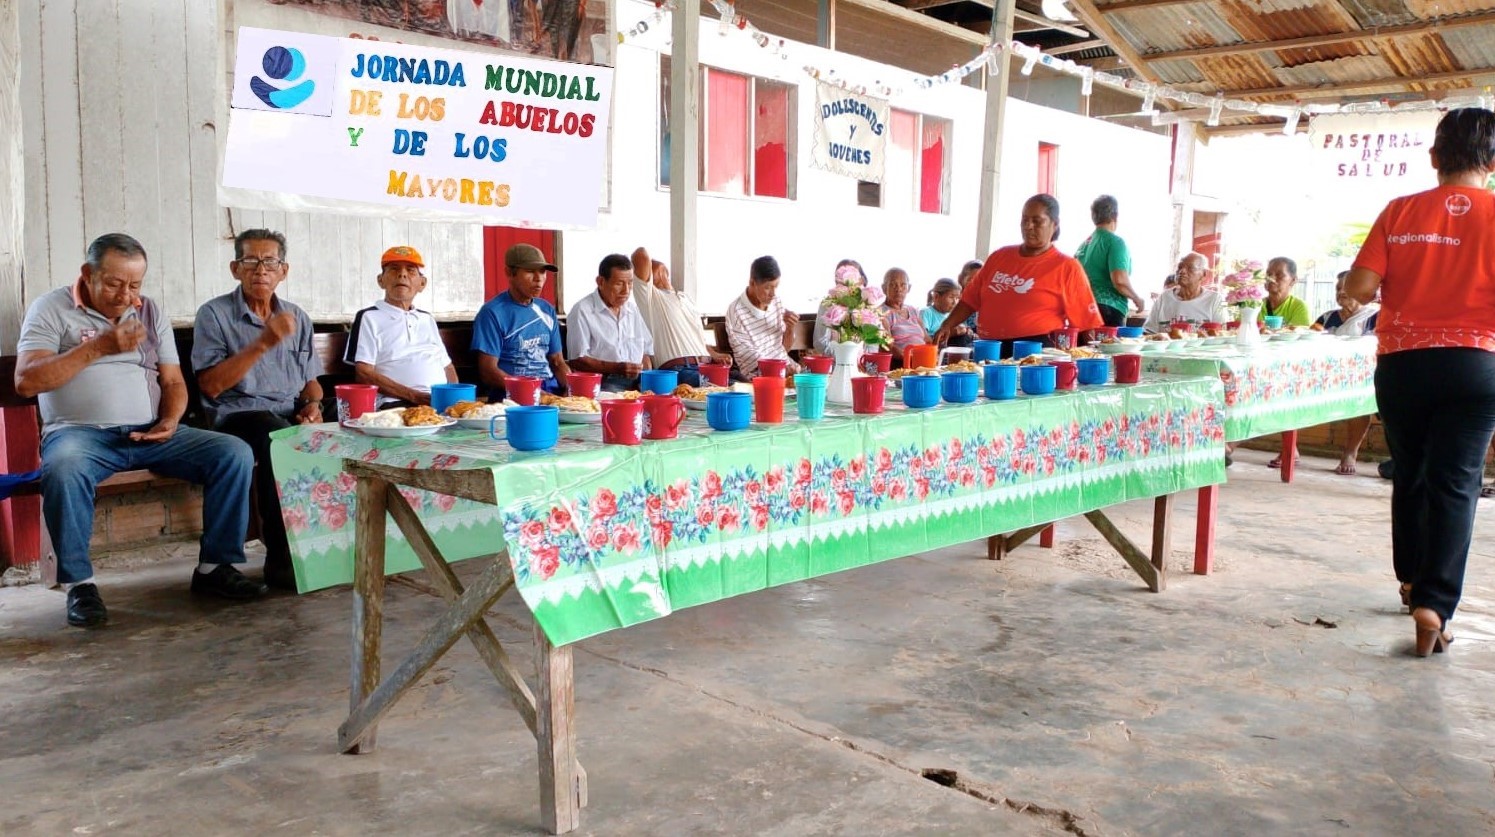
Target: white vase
[(848, 358), (1248, 333)]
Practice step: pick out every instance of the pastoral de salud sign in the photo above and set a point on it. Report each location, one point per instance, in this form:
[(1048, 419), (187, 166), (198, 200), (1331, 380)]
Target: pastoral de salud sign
[(502, 138), (851, 133)]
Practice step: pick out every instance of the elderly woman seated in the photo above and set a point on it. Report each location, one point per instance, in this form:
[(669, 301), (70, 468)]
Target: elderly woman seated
[(901, 319), (1350, 319)]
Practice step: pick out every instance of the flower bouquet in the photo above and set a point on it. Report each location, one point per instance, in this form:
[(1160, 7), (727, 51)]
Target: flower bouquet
[(1245, 291), (851, 312)]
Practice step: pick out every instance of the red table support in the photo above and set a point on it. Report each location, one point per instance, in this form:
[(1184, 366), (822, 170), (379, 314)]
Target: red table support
[(1289, 458), (1204, 529)]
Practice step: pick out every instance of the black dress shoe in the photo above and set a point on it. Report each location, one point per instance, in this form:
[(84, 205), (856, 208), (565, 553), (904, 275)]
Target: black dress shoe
[(85, 609), (227, 582), (280, 575)]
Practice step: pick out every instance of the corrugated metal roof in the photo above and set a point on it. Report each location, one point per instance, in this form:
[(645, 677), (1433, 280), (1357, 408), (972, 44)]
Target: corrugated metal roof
[(1472, 47), (1168, 28), (1339, 70)]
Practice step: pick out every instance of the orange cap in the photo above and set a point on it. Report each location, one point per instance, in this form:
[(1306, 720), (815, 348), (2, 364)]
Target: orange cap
[(401, 254)]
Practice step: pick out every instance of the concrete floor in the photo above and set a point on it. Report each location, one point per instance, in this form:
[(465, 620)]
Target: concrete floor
[(1277, 696)]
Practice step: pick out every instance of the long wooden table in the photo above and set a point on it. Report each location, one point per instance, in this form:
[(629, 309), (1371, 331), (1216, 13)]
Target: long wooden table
[(596, 538)]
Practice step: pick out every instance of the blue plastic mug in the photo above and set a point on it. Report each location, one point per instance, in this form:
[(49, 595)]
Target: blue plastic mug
[(445, 395), (959, 387), (729, 410), (1094, 370), (1039, 379), (1129, 331), (1023, 348), (986, 350), (1001, 381), (529, 428), (809, 398), (661, 381), (1272, 321), (920, 391)]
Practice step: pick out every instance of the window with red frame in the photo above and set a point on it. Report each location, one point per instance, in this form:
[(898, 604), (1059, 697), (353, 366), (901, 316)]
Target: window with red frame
[(747, 126), (916, 165), (1048, 168)]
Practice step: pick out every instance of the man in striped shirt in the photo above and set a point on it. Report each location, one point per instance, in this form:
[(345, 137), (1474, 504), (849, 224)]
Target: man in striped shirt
[(758, 327)]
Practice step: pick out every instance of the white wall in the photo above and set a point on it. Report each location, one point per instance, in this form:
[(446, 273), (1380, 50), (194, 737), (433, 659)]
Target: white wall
[(824, 224)]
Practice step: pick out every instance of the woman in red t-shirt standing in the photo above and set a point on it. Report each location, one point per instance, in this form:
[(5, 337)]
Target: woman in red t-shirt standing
[(1027, 291), (1432, 257)]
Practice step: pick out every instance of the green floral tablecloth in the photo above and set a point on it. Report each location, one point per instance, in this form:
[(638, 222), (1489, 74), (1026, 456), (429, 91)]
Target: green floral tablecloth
[(602, 537), (1283, 386)]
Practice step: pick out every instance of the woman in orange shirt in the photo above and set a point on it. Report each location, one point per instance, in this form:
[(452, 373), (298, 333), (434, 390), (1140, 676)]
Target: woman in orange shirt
[(1027, 291), (1432, 257)]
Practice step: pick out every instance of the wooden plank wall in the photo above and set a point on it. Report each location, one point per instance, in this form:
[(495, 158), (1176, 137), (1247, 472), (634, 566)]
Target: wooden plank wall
[(121, 104), (12, 180)]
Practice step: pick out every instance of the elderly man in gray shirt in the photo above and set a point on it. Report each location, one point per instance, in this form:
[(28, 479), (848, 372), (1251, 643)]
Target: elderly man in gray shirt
[(102, 363), (253, 355)]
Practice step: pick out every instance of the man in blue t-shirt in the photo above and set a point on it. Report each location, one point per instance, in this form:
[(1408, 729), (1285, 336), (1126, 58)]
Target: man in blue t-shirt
[(516, 332)]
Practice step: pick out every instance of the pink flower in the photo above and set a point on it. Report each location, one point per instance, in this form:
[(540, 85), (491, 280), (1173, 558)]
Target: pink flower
[(531, 532), (774, 479), (967, 477), (884, 461), (838, 477), (803, 472), (988, 476), (712, 486), (874, 296), (677, 494), (370, 455), (295, 519), (545, 560), (334, 516), (752, 490), (654, 506), (445, 502), (346, 482), (560, 519), (705, 514), (848, 274), (415, 498), (956, 449), (728, 519), (664, 532), (797, 499), (597, 538), (866, 317), (760, 517), (879, 485), (835, 315), (846, 502), (605, 504), (857, 468), (819, 503), (321, 493), (626, 539), (921, 488), (898, 489)]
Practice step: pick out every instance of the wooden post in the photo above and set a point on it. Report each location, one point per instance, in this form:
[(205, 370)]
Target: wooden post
[(1162, 537), (991, 141), (555, 733), (368, 598), (12, 178), (825, 24), (1204, 529), (685, 150), (1289, 455), (1181, 186)]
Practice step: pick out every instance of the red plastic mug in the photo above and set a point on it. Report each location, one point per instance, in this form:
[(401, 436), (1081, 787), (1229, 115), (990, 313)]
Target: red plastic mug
[(523, 391), (1104, 332), (1066, 338), (818, 364), (716, 374), (1065, 373), (1128, 368), (662, 416), (768, 399), (877, 363), (867, 394), (622, 421), (584, 384), (771, 367), (1213, 329), (353, 400)]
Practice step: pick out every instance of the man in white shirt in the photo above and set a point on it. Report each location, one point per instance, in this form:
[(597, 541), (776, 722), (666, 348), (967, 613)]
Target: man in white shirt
[(758, 327), (394, 345), (1188, 301), (605, 333), (673, 321)]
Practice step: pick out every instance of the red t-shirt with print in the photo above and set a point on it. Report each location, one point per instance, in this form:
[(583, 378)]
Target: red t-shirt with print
[(1435, 254), (1023, 296)]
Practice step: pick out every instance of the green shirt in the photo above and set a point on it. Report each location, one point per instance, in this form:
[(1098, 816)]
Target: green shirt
[(1293, 311), (1101, 253)]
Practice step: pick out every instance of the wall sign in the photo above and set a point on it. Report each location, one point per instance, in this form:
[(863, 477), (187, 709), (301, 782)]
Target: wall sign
[(851, 133)]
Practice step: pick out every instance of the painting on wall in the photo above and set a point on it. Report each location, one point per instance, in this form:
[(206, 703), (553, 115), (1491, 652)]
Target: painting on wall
[(565, 30)]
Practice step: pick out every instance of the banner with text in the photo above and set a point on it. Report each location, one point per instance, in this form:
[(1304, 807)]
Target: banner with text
[(851, 133), (500, 139), (1379, 154)]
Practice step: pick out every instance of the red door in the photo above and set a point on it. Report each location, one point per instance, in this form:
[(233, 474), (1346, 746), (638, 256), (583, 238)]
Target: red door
[(497, 240)]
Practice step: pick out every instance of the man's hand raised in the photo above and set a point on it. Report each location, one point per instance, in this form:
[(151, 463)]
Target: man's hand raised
[(124, 337), (278, 328)]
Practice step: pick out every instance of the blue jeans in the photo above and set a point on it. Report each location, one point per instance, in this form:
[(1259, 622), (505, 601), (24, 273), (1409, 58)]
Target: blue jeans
[(76, 459)]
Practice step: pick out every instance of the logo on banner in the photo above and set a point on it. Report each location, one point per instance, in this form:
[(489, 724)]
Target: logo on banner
[(288, 65)]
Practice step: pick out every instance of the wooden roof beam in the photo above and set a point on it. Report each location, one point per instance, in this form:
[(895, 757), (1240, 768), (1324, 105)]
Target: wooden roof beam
[(1128, 5), (1096, 22), (1421, 28)]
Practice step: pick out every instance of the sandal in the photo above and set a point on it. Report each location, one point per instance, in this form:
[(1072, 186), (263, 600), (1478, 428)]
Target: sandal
[(1488, 491), (1277, 463), (1346, 469), (1432, 634)]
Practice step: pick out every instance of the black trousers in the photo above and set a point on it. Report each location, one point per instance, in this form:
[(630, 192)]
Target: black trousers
[(255, 428), (1438, 408), (1110, 316)]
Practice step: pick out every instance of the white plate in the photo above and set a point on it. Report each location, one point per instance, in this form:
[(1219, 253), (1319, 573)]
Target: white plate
[(1283, 336), (573, 417), (401, 432), (691, 404), (477, 423)]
